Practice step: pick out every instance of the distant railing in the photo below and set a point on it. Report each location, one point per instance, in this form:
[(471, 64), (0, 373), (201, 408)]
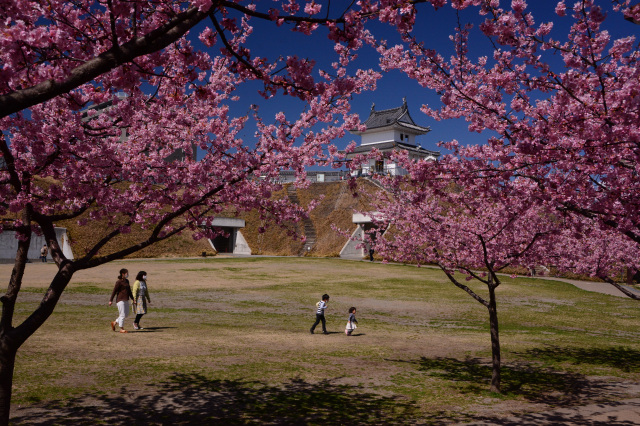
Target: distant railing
[(314, 176)]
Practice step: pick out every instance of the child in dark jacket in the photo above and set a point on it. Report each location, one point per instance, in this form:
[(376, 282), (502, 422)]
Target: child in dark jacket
[(351, 324)]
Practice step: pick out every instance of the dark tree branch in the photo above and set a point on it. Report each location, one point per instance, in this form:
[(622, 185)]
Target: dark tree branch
[(112, 58), (463, 287), (15, 282)]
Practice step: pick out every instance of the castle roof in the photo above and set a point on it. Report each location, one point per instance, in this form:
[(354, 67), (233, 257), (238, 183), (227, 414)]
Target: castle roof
[(393, 118)]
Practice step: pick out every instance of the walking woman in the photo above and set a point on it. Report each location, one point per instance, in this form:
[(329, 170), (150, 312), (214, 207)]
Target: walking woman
[(140, 298), (122, 293)]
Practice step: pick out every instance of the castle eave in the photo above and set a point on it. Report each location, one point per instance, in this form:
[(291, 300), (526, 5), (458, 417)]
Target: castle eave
[(390, 146), (409, 128)]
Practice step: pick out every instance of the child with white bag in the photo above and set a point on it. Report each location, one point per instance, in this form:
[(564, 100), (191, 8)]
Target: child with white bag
[(351, 324)]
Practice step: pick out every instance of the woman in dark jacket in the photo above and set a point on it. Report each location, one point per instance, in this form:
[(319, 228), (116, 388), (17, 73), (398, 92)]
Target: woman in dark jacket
[(122, 293)]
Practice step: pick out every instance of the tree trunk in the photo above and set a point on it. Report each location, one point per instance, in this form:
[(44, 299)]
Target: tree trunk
[(492, 284), (8, 345), (495, 340), (11, 338), (7, 362)]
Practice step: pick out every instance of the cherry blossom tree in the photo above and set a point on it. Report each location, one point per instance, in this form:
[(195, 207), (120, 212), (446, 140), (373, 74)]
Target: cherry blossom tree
[(95, 96), (561, 108), (470, 223), (557, 181), (582, 247)]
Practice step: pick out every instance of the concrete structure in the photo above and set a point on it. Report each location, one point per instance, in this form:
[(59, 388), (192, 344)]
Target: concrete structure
[(9, 245), (232, 241), (288, 176), (390, 130), (351, 249)]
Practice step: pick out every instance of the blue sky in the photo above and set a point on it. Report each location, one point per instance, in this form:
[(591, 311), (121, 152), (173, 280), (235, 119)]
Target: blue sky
[(434, 28)]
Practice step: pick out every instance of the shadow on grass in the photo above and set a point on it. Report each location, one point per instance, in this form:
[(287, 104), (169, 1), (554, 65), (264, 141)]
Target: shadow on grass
[(193, 399), (624, 359), (536, 384), (602, 415), (152, 329)]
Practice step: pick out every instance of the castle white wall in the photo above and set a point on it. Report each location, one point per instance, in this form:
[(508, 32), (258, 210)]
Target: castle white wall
[(377, 137), (390, 135)]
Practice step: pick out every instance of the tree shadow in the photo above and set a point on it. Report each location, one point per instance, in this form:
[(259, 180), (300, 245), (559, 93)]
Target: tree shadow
[(534, 383), (624, 359), (601, 417), (193, 399), (544, 385)]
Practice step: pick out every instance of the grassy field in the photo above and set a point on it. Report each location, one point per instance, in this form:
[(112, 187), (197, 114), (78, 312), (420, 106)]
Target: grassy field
[(227, 340)]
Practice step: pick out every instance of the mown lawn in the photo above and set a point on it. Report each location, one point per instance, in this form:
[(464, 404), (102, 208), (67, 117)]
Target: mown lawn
[(227, 340)]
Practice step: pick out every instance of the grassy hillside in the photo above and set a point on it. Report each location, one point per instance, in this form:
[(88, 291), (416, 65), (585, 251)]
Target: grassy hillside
[(82, 238), (336, 207)]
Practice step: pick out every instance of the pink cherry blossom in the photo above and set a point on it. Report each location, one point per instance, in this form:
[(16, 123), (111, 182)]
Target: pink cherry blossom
[(571, 129)]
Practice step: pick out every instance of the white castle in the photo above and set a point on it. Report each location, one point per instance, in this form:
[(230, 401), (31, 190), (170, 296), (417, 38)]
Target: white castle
[(389, 130)]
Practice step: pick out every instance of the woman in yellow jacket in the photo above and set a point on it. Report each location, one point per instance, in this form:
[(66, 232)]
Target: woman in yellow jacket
[(140, 298)]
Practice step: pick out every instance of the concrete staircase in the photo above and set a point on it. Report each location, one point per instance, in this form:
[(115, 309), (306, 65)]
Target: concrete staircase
[(309, 229)]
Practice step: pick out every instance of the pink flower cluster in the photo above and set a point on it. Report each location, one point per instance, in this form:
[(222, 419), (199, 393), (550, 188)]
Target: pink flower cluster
[(563, 144)]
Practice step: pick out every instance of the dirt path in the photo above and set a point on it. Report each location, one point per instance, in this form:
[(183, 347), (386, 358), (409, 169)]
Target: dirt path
[(597, 287)]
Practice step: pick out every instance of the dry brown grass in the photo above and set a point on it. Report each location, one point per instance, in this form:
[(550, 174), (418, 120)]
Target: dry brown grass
[(83, 238), (335, 209), (276, 241)]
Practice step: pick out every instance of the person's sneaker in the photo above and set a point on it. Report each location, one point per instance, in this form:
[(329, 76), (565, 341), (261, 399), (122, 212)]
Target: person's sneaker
[(135, 326), (113, 325), (140, 328), (325, 332), (311, 331)]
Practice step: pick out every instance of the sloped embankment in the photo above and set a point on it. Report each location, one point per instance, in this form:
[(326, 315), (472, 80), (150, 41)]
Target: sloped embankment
[(336, 207), (83, 238)]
